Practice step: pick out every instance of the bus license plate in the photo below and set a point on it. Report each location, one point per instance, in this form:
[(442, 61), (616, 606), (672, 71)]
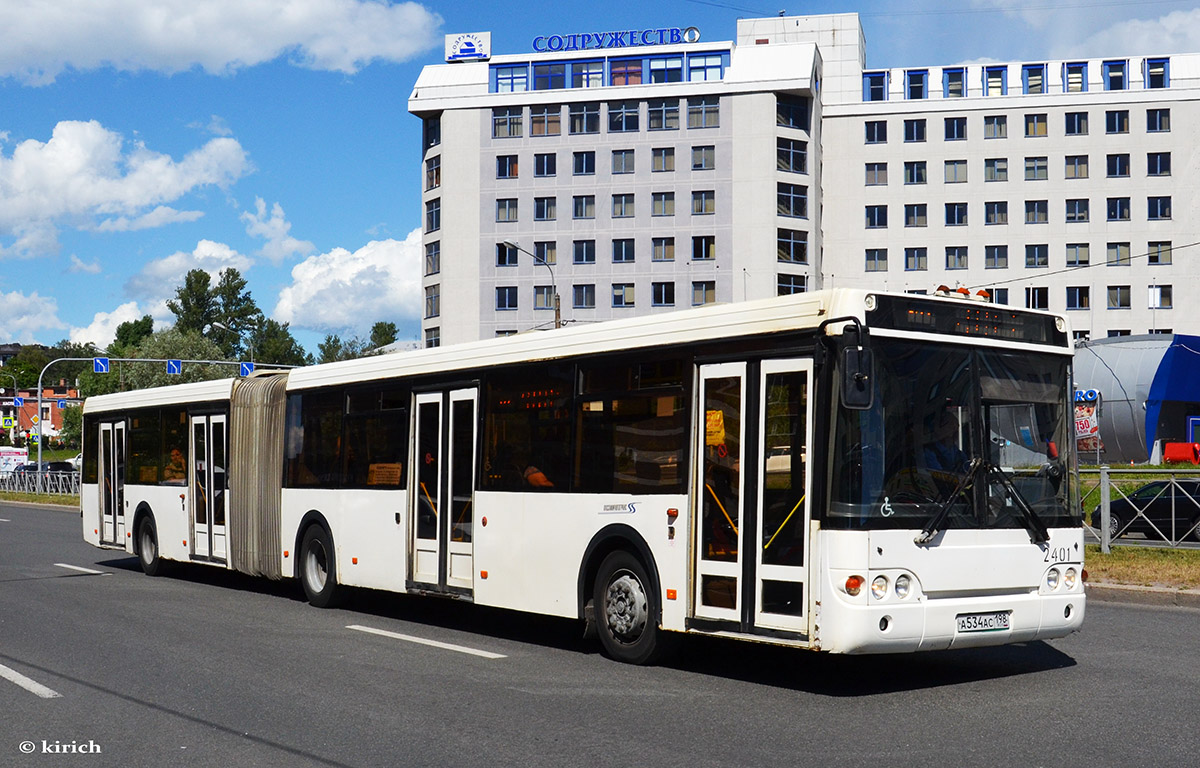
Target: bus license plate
[(983, 622)]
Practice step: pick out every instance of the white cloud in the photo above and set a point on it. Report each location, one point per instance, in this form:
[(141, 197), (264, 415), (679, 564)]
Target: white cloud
[(280, 245), (159, 278), (41, 40), (342, 291), (1177, 32), (84, 173), (78, 265), (22, 315), (103, 328)]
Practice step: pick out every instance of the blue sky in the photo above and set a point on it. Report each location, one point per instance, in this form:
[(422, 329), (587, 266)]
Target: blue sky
[(143, 138)]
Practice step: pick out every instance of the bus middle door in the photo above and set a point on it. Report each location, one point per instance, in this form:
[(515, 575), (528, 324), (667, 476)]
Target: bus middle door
[(112, 483)]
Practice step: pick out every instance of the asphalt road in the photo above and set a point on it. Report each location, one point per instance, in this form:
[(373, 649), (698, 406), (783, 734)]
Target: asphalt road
[(205, 668)]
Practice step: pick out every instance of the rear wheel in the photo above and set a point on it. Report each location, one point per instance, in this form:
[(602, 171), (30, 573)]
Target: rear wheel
[(626, 610), (318, 571), (148, 556), (1114, 525)]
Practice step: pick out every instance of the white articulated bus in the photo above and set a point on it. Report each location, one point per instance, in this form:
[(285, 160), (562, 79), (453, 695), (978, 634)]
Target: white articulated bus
[(845, 471)]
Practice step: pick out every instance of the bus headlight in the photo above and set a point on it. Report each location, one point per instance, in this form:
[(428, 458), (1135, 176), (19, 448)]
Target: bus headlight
[(1070, 578), (903, 585), (1052, 578), (879, 587)]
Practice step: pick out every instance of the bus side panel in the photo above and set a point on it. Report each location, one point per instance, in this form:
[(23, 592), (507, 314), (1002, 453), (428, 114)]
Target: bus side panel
[(534, 543), (169, 504)]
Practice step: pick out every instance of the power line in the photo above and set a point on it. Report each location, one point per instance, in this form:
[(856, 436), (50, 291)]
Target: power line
[(1089, 265)]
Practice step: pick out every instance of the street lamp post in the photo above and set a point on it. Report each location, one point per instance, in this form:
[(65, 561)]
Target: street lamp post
[(553, 284)]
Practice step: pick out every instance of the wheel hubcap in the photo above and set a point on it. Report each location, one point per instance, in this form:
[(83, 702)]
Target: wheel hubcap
[(625, 608), (315, 567)]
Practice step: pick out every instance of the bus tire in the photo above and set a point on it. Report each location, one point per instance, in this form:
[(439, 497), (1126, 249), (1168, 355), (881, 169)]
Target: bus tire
[(626, 610), (148, 554), (318, 568)]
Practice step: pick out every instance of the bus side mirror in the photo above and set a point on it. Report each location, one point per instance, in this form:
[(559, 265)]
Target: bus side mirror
[(858, 378)]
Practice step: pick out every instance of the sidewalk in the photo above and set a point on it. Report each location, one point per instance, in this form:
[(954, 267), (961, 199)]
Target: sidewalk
[(1129, 593)]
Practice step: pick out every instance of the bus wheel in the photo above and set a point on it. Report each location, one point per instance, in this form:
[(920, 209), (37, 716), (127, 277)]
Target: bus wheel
[(627, 610), (147, 539), (317, 568)]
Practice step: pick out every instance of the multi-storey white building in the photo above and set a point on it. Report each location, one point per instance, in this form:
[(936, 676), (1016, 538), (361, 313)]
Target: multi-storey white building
[(635, 172)]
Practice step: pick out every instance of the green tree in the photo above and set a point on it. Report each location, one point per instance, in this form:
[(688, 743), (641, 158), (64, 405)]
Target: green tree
[(71, 432), (131, 332), (236, 314), (193, 303), (168, 344), (272, 342), (383, 333), (333, 349), (27, 365)]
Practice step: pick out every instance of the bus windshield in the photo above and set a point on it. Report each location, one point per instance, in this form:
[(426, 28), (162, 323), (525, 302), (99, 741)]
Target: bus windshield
[(974, 437)]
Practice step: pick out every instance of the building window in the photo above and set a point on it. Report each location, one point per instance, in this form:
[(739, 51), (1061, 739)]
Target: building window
[(583, 207), (433, 301), (1158, 120), (876, 131), (1157, 74), (791, 155), (1158, 163), (914, 172), (954, 83), (506, 167), (1000, 296), (956, 214), (1078, 254), (1035, 125), (1114, 333), (1119, 297), (916, 84), (662, 159), (545, 252), (433, 337), (1037, 298), (875, 86), (916, 215), (914, 130), (583, 251), (876, 216), (584, 163), (1160, 297), (704, 292), (545, 164), (545, 208), (622, 161), (1077, 210), (545, 120), (1118, 255), (1116, 121), (1075, 77), (583, 296), (623, 116), (1158, 252), (915, 259), (1115, 75), (1158, 208), (1118, 209), (433, 215), (876, 260), (543, 297), (662, 294), (704, 202), (956, 257), (433, 172), (1037, 211), (506, 298), (506, 255), (704, 158), (1076, 167), (431, 132), (956, 171), (704, 112), (666, 69), (995, 169), (704, 247), (433, 257), (587, 74), (792, 112), (1037, 256), (623, 205), (792, 246), (1118, 165), (995, 126), (956, 128), (995, 257), (584, 118), (622, 251), (1033, 78), (662, 114), (506, 209), (995, 80), (506, 122), (876, 174), (1076, 124), (791, 200), (511, 79), (1079, 297), (549, 77), (1036, 169), (622, 294), (662, 249), (662, 204), (786, 285), (995, 212), (629, 72)]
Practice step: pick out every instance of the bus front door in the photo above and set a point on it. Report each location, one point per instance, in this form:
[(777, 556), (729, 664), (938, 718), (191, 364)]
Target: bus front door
[(444, 489), (721, 492), (206, 478), (112, 483)]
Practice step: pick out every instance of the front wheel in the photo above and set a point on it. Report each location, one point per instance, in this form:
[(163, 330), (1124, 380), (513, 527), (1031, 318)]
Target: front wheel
[(148, 555), (626, 609), (1114, 525), (318, 572)]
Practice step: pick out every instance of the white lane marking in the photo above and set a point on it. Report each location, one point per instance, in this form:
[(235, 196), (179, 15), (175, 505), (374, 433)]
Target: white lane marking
[(423, 641), (5, 520), (33, 686), (80, 569)]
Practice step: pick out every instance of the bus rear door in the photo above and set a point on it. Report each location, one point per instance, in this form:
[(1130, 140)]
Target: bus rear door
[(112, 483), (208, 483)]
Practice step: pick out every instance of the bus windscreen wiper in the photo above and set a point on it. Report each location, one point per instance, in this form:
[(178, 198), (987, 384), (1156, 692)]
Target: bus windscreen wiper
[(1037, 528), (935, 523)]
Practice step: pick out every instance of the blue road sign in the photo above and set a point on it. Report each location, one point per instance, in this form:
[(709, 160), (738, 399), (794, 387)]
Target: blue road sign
[(174, 367), (18, 402), (100, 365), (247, 369), (62, 404)]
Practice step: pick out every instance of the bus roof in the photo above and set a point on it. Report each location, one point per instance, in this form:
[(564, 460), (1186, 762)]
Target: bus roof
[(196, 392)]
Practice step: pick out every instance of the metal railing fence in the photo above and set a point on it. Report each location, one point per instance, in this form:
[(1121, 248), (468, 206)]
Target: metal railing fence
[(1163, 505)]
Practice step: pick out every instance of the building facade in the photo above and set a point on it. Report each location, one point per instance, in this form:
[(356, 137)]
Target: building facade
[(633, 173)]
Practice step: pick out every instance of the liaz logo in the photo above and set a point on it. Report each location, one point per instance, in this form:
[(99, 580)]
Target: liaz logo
[(472, 46), (619, 509)]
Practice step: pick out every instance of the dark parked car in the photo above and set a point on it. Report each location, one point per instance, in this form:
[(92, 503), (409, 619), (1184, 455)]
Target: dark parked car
[(59, 466), (1155, 502)]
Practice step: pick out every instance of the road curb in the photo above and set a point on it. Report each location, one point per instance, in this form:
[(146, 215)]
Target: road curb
[(1128, 593), (40, 505)]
